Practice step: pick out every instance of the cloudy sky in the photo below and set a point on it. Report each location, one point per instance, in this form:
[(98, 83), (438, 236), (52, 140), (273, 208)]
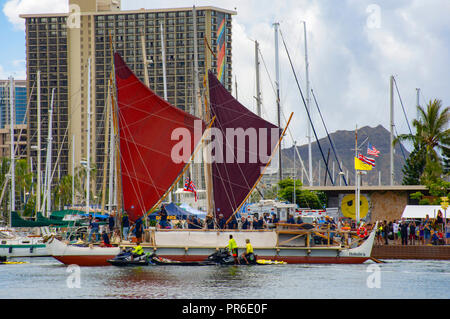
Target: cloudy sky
[(354, 46)]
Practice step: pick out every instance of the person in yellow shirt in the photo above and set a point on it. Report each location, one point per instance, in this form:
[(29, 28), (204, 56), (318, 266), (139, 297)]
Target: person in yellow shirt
[(248, 254), (232, 246), (137, 251)]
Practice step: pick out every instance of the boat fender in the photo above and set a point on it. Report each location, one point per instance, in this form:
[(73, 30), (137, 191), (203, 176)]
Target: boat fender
[(361, 232), (10, 250), (31, 250)]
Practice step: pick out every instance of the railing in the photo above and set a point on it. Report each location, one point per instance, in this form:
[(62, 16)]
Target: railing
[(348, 238)]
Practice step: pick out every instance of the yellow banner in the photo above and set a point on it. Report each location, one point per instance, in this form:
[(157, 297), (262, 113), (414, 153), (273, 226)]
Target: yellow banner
[(360, 165)]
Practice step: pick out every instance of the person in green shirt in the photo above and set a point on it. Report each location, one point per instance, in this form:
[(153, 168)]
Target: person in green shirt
[(232, 246)]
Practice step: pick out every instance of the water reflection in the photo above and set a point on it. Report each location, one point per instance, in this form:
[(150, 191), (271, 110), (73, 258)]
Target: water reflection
[(43, 278)]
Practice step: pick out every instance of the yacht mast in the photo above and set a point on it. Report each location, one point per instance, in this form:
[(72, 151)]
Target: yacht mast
[(308, 106), (88, 152), (11, 114), (48, 169), (38, 183), (277, 83)]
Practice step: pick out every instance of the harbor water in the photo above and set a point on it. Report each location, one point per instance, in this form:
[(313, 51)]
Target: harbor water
[(46, 278)]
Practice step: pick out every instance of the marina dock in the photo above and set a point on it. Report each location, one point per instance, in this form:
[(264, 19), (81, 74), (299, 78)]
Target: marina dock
[(411, 252)]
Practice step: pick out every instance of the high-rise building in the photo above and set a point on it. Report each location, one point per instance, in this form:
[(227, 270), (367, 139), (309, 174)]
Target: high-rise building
[(60, 45), (20, 122)]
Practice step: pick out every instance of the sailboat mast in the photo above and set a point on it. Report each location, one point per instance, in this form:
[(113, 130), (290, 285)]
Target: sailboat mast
[(73, 170), (144, 59), (107, 151), (196, 87), (277, 83), (38, 170), (49, 156), (308, 106), (111, 161), (11, 111), (391, 98), (258, 84), (163, 53), (88, 152)]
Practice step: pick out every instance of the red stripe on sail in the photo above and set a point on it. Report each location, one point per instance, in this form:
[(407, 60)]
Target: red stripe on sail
[(146, 123)]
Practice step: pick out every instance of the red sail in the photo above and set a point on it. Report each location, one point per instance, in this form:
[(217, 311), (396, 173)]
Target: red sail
[(237, 170), (151, 133)]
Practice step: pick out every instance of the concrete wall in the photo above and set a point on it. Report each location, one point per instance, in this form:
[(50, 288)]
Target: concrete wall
[(388, 205)]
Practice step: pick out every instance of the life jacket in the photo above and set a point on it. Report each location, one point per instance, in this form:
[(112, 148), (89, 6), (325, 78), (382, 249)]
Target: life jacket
[(249, 248), (232, 244), (138, 250)]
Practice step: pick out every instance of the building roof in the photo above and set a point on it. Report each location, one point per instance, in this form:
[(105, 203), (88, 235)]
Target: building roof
[(367, 188)]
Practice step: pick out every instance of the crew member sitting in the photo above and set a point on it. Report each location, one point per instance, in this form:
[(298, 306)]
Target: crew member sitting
[(248, 255), (106, 242), (137, 251)]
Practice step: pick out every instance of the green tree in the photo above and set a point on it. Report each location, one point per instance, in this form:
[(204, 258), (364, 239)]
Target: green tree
[(23, 178), (62, 193), (80, 183), (432, 135), (304, 198), (414, 167)]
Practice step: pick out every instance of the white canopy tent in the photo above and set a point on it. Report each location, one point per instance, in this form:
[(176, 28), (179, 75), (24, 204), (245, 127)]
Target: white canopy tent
[(420, 211)]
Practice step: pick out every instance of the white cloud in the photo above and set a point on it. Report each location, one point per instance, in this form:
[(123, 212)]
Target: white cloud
[(350, 62), (13, 8)]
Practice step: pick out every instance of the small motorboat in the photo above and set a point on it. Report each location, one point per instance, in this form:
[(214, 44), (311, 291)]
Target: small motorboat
[(126, 258), (223, 257)]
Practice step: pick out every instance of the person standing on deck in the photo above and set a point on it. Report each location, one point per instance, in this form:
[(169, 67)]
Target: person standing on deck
[(111, 223), (125, 225)]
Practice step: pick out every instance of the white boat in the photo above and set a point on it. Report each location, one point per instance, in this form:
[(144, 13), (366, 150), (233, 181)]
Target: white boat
[(72, 254), (293, 246), (16, 244)]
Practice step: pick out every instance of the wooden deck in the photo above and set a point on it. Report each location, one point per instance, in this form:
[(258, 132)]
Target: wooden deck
[(411, 252)]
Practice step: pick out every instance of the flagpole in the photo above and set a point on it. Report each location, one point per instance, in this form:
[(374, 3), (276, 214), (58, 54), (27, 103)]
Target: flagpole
[(357, 176)]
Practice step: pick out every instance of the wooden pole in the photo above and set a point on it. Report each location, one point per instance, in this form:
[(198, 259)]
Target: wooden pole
[(107, 150)]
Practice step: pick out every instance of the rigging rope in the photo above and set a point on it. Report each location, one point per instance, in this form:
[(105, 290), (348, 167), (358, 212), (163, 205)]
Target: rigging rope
[(307, 111), (329, 137)]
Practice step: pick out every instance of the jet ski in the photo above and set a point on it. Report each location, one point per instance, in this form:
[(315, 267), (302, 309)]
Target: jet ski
[(223, 257), (4, 261), (126, 258)]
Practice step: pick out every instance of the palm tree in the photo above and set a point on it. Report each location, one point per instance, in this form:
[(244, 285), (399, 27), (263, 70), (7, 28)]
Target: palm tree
[(63, 191), (23, 180), (432, 134), (80, 182)]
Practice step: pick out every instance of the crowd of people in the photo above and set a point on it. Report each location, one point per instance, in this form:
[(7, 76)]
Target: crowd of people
[(398, 232), (428, 231)]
